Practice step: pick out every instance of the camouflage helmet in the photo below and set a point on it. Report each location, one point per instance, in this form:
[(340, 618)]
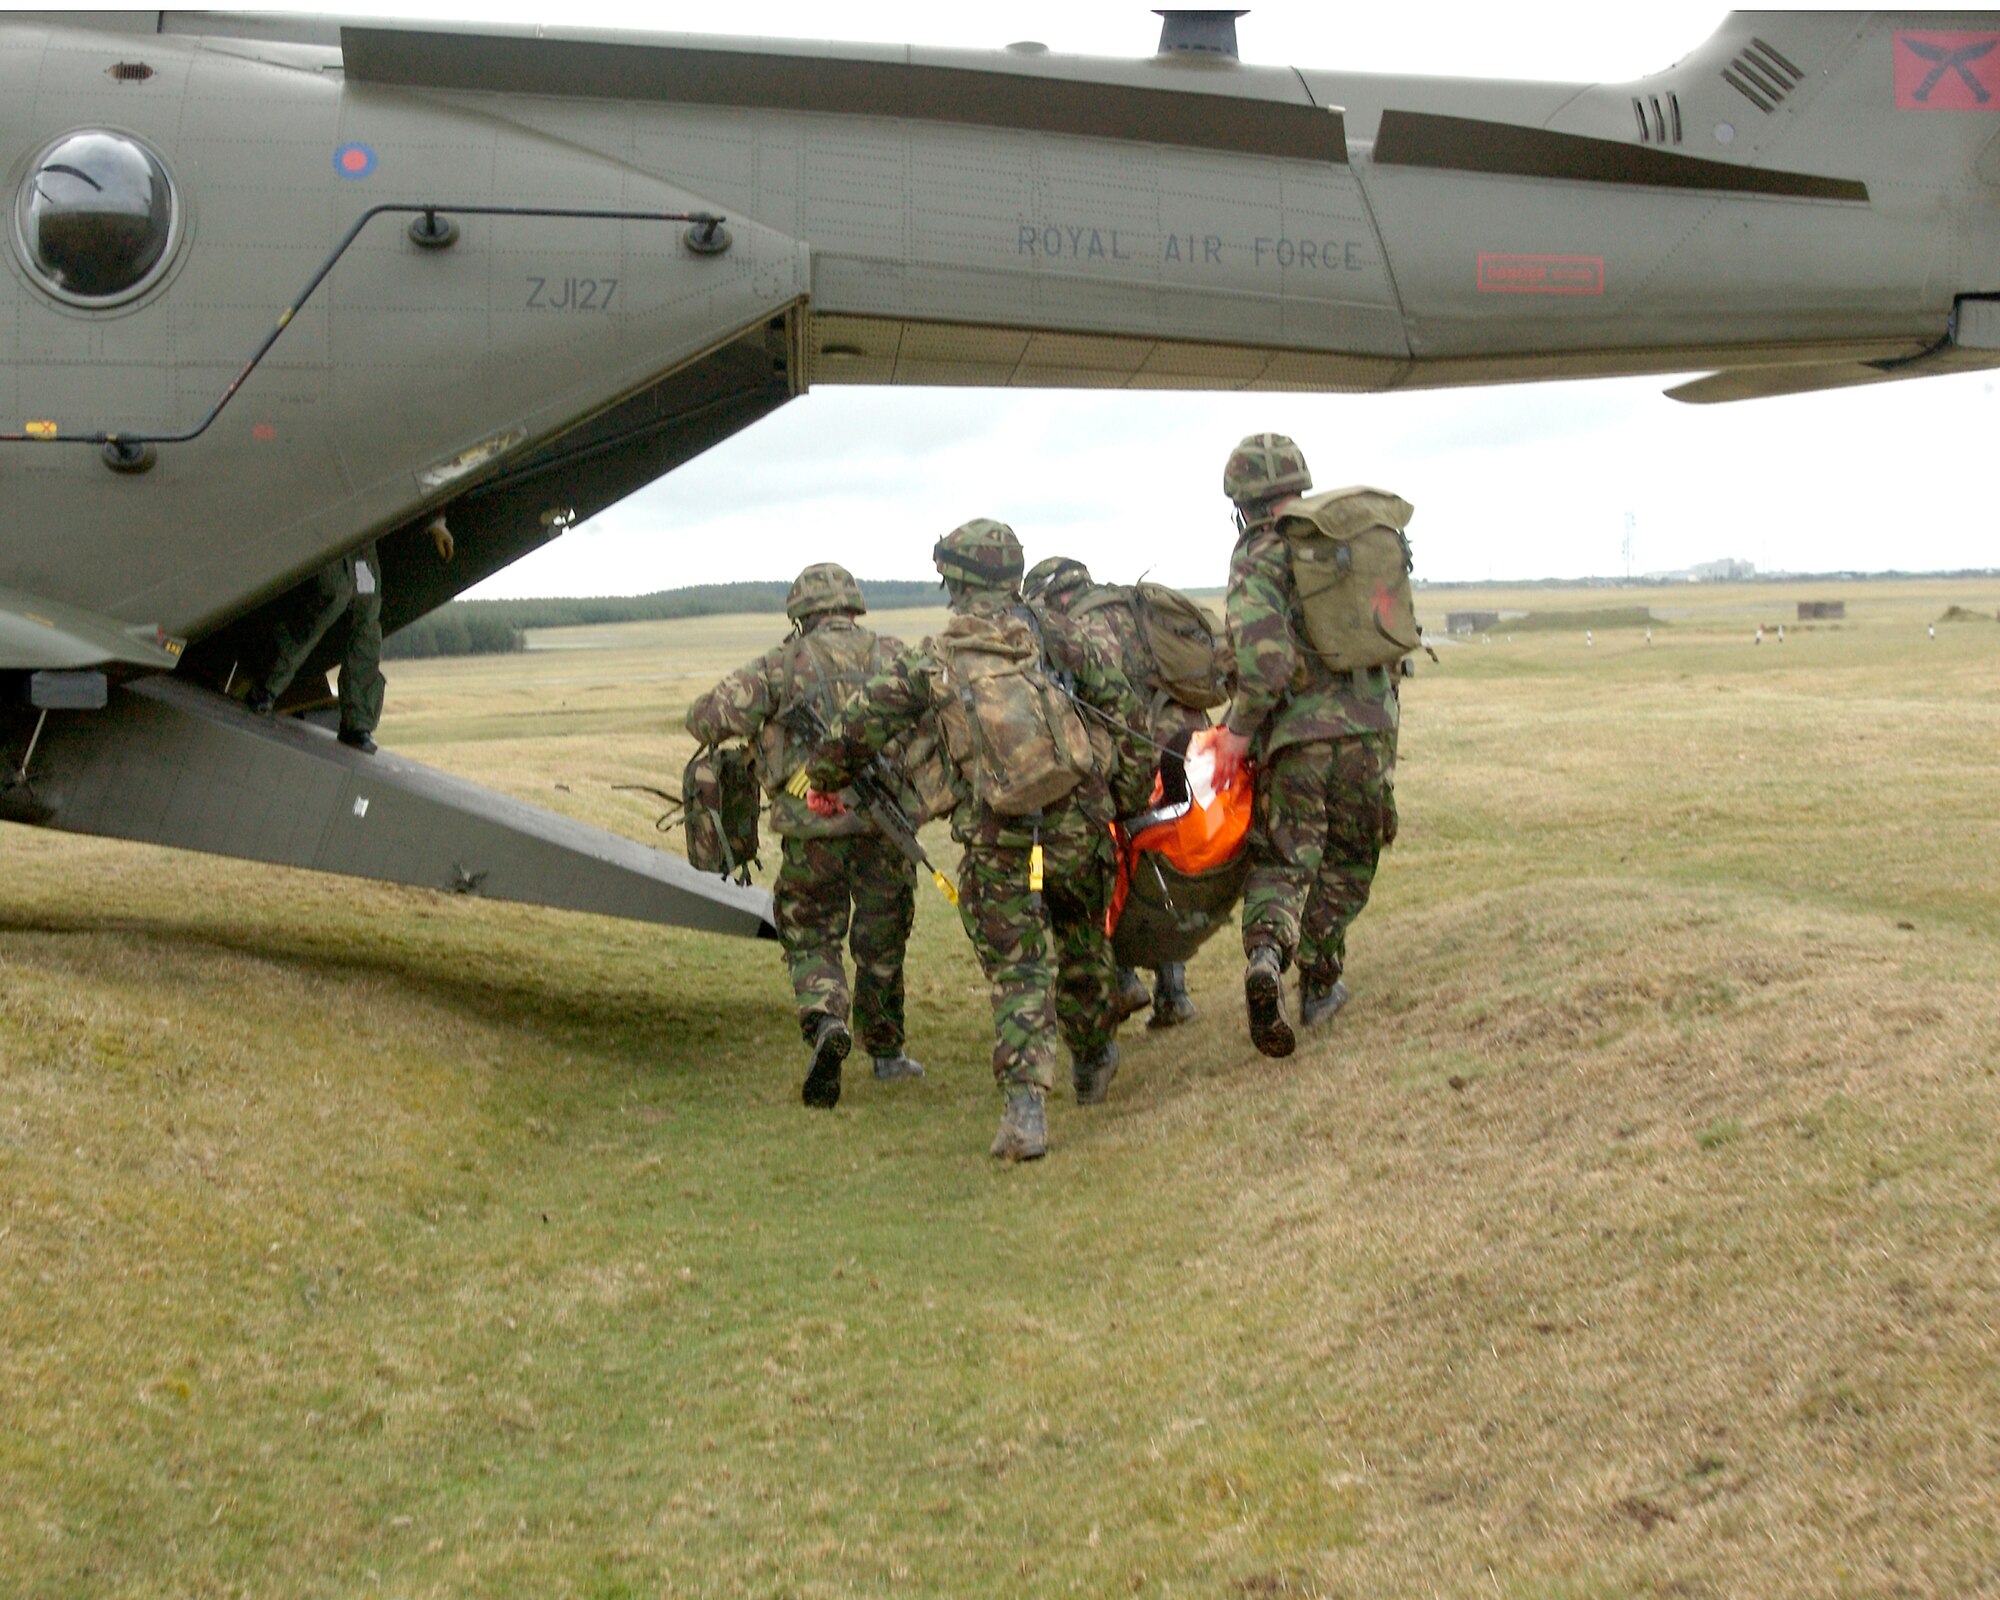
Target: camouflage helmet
[(824, 586), (982, 553), (1263, 467), (1055, 579)]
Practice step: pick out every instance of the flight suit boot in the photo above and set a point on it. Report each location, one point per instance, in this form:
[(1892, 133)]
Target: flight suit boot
[(1091, 1075), (1024, 1126), (831, 1042), (1171, 1003), (1319, 1001), (1131, 997), (1264, 1000), (889, 1069)]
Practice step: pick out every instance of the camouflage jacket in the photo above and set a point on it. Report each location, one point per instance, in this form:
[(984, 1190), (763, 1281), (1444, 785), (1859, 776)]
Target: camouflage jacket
[(1285, 694), (1116, 632), (915, 682), (826, 668)]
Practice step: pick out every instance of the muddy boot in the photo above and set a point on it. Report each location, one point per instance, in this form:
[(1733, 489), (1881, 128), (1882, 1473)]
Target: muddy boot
[(1264, 999), (1131, 997), (1092, 1075), (831, 1042), (1319, 1002), (888, 1069), (1024, 1127), (1171, 1005)]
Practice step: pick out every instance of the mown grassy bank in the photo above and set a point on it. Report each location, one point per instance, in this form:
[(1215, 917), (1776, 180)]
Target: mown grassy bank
[(1634, 1232)]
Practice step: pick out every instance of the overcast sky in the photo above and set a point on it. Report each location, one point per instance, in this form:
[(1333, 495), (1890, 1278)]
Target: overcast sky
[(1516, 482)]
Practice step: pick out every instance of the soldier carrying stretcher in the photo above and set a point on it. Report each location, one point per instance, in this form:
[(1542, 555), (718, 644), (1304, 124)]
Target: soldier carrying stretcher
[(1172, 651), (1032, 811)]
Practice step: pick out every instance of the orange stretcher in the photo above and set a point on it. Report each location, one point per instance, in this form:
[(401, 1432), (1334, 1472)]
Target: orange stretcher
[(1181, 863)]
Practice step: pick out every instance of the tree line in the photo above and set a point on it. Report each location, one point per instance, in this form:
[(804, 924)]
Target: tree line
[(495, 627)]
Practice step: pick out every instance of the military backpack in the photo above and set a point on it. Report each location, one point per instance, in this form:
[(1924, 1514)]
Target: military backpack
[(719, 802), (824, 673), (1351, 566), (1011, 729), (1191, 660)]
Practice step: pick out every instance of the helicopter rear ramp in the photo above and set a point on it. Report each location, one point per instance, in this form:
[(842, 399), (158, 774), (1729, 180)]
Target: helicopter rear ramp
[(173, 764)]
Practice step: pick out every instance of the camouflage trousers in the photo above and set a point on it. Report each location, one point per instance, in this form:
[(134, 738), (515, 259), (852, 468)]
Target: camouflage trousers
[(1049, 964), (1325, 811), (317, 609), (826, 889)]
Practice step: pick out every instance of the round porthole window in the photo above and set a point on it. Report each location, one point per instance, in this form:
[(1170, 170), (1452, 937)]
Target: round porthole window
[(96, 219)]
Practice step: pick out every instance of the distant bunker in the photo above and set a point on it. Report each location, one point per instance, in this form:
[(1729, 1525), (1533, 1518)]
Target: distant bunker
[(1471, 621), (1822, 610), (1961, 614)]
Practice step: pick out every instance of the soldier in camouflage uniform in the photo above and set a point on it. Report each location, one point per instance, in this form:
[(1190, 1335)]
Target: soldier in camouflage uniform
[(1056, 585), (1324, 746), (841, 879), (349, 590), (1043, 951), (1361, 824)]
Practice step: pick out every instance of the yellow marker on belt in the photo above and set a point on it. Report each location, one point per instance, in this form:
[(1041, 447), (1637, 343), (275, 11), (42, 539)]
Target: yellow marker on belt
[(945, 886), (1035, 869), (42, 430)]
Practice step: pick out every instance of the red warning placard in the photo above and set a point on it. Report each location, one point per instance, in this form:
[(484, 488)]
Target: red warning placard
[(1502, 274), (1947, 71)]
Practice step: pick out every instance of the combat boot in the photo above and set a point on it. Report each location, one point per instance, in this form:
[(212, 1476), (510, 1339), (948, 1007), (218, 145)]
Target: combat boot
[(1024, 1127), (888, 1069), (1264, 999), (1092, 1075), (831, 1042), (1171, 1004), (1131, 997), (1319, 1002)]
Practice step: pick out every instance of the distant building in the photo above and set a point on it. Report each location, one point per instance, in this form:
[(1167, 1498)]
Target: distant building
[(1471, 621), (1822, 610), (1727, 570)]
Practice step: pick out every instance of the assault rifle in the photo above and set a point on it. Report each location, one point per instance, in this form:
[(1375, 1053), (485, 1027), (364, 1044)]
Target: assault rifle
[(875, 787)]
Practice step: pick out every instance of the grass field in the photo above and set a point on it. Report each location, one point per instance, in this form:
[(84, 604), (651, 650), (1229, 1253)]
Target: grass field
[(1635, 1231)]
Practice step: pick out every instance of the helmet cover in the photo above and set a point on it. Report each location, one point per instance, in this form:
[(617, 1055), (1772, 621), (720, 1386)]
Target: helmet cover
[(982, 553), (824, 586), (1263, 467), (1055, 579)]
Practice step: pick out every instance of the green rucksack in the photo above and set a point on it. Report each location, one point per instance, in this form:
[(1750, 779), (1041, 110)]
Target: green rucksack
[(1009, 727), (719, 802), (1351, 566), (1191, 658)]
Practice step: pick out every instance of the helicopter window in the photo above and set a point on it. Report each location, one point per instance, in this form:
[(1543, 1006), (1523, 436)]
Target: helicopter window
[(96, 217)]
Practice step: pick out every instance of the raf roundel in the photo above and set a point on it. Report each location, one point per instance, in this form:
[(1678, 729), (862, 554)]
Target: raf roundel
[(354, 161)]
